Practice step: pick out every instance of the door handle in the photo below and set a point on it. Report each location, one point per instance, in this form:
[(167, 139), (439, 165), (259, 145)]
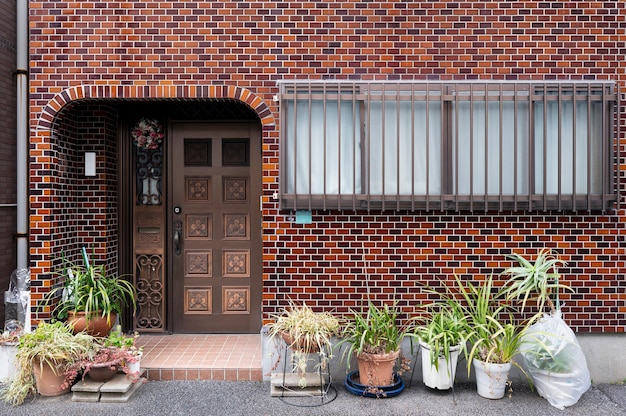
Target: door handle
[(178, 234)]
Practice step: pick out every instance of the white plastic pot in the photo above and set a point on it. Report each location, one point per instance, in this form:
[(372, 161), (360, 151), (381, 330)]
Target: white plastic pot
[(7, 360), (441, 378), (491, 379)]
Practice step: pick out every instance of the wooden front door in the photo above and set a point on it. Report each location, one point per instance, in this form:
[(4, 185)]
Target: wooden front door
[(215, 237)]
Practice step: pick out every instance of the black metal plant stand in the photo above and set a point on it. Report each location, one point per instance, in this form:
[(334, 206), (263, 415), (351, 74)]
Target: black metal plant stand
[(319, 393)]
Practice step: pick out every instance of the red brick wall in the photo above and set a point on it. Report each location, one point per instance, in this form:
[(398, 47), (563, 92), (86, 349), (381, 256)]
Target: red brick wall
[(79, 211), (252, 44), (8, 105)]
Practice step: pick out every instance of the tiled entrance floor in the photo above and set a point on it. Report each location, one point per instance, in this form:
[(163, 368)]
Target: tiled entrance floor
[(202, 357)]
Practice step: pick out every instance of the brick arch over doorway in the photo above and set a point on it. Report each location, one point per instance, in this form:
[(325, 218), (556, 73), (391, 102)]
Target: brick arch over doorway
[(82, 92), (69, 210)]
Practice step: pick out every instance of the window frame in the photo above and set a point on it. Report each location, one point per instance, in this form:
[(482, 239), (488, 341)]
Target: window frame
[(448, 95)]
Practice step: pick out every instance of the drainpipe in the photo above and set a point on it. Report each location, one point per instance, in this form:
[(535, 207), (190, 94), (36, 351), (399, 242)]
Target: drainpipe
[(22, 144), (22, 134)]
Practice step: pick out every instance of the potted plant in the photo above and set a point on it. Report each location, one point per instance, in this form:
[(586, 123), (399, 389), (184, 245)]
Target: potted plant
[(131, 363), (493, 334), (374, 338), (305, 331), (45, 359), (91, 299), (103, 365), (441, 338)]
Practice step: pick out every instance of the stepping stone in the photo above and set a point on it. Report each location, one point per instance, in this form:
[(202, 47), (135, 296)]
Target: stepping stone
[(86, 391), (119, 384), (117, 390), (108, 397)]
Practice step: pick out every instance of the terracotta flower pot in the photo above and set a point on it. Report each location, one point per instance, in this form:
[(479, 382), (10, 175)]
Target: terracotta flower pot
[(299, 345), (377, 369), (96, 325), (49, 382), (103, 372)]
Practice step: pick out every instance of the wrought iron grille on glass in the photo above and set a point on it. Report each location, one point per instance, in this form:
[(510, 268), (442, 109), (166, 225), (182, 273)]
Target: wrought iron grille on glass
[(149, 175)]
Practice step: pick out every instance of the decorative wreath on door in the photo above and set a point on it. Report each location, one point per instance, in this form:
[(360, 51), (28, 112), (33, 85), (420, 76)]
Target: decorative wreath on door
[(148, 134)]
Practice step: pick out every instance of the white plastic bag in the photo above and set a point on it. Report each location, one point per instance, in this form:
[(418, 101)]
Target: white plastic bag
[(555, 362)]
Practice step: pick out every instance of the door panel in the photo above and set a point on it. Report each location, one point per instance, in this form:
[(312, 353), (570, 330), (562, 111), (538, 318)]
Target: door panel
[(216, 228)]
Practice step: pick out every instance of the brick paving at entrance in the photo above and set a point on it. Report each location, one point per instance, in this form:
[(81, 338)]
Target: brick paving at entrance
[(202, 357)]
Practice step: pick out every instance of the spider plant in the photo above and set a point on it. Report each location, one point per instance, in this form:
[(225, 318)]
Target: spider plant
[(444, 328), (374, 332), (491, 329), (535, 280)]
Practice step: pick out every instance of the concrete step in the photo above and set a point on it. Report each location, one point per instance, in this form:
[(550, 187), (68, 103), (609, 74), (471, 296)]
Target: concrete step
[(118, 390)]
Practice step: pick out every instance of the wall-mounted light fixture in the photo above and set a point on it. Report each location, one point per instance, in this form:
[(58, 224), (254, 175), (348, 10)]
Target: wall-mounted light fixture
[(90, 163)]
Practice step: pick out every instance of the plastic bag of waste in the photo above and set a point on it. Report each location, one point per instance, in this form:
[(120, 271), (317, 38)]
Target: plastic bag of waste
[(555, 362)]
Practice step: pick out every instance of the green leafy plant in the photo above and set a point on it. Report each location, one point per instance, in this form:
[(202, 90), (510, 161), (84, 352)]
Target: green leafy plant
[(91, 290), (537, 280), (493, 334), (375, 331), (444, 328), (117, 339), (53, 344)]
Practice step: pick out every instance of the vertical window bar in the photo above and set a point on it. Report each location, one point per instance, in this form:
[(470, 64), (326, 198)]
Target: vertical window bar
[(456, 147), (606, 187), (560, 147), (471, 173), (367, 122), (339, 91), (295, 149), (486, 150), (413, 148), (310, 144), (355, 130), (382, 150), (531, 148), (398, 147), (605, 148), (324, 150), (444, 162), (618, 138), (575, 144), (545, 146), (282, 113), (500, 132), (515, 164), (427, 147)]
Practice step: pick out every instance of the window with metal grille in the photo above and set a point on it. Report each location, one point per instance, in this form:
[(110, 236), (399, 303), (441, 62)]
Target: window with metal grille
[(448, 145)]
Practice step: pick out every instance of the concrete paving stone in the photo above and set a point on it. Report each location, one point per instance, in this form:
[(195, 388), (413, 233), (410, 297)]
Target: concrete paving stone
[(89, 397), (119, 384), (87, 385), (122, 397)]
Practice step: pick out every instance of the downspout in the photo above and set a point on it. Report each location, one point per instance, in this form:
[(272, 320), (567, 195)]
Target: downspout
[(22, 134), (22, 144)]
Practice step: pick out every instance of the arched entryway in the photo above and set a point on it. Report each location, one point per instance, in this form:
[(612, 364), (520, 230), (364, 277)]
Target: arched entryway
[(196, 253)]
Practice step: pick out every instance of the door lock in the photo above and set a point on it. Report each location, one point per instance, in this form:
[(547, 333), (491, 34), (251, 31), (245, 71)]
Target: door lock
[(177, 210)]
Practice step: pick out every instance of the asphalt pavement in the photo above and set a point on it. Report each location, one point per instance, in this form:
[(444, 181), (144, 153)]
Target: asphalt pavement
[(253, 398)]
